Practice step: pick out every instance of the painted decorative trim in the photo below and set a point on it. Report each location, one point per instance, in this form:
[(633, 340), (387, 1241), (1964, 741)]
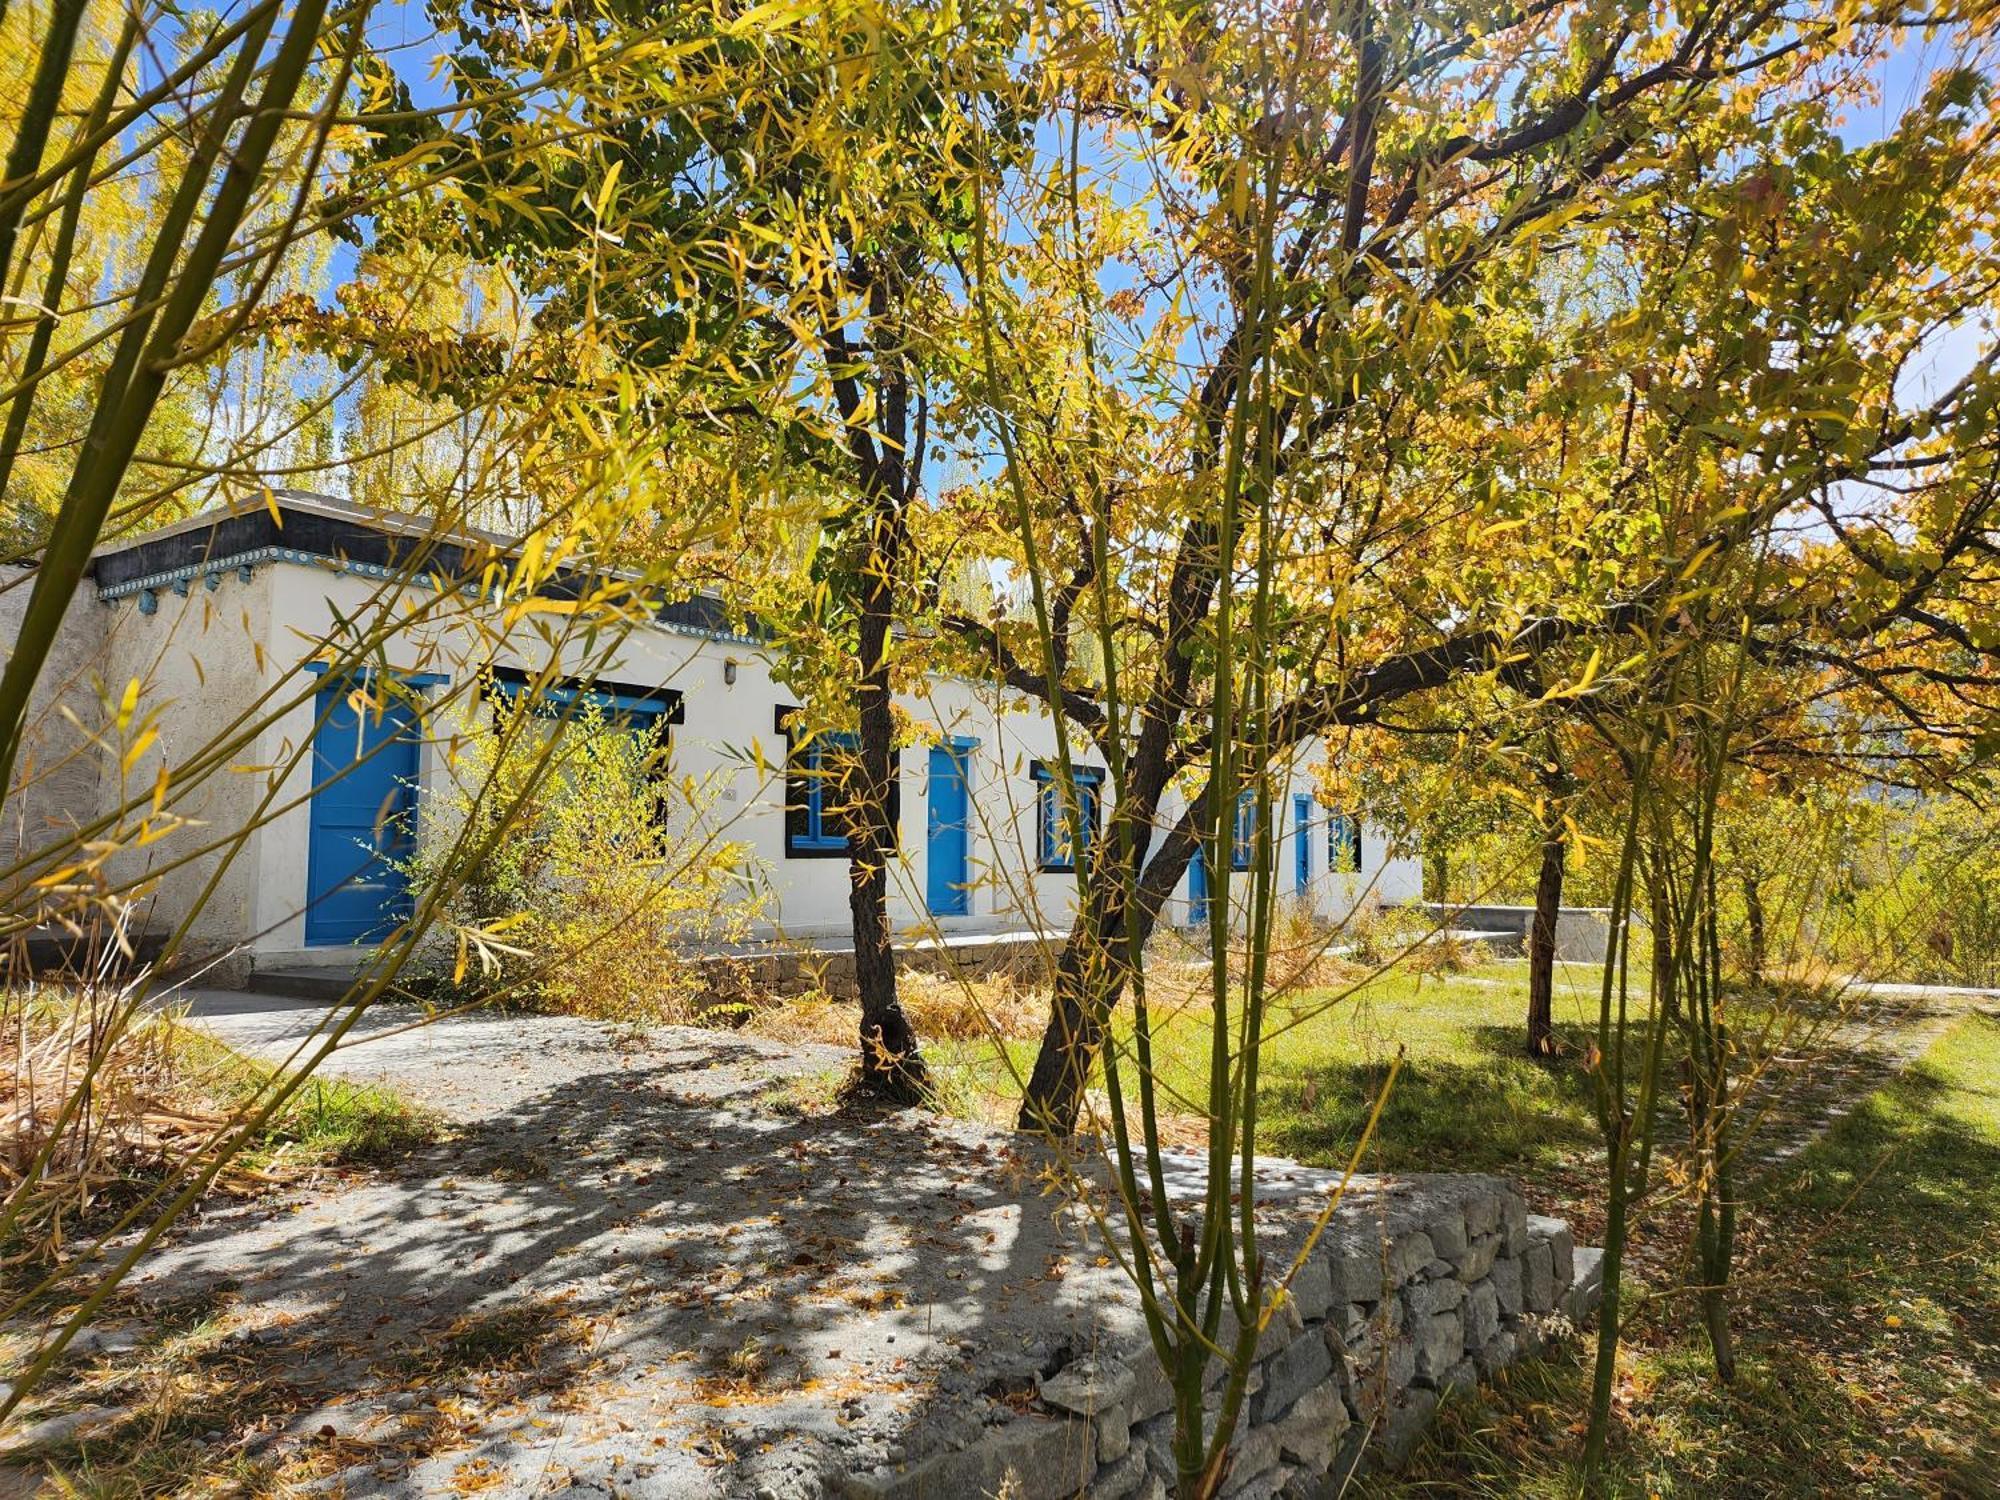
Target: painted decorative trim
[(148, 586)]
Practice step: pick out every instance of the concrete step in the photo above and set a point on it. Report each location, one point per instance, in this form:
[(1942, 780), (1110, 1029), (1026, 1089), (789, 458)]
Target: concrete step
[(328, 982)]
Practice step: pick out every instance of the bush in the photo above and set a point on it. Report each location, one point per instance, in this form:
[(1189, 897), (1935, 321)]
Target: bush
[(613, 870)]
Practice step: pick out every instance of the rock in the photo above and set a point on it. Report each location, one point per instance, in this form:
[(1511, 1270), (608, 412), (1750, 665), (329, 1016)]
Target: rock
[(1587, 1290), (1312, 1288), (60, 1428), (1309, 1432), (1087, 1386), (1361, 1276), (1478, 1258), (1561, 1243), (1538, 1277), (1403, 1424), (1409, 1255), (1482, 1214), (1114, 1433), (1252, 1451), (1151, 1392), (1448, 1234), (1506, 1282), (1497, 1353), (1288, 1375), (1265, 1484), (1440, 1345), (1118, 1480), (1481, 1313), (1513, 1222), (1427, 1298), (1031, 1458), (1462, 1376)]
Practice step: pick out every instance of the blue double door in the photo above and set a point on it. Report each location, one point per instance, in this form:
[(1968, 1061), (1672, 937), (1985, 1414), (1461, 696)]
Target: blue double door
[(948, 851), (363, 815)]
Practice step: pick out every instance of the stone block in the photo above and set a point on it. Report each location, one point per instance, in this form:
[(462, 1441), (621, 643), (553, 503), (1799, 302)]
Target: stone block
[(1409, 1255), (1032, 1458), (1478, 1258), (1462, 1376), (1448, 1234), (1428, 1298), (1587, 1290), (1538, 1277), (1440, 1341), (1359, 1276), (1561, 1242), (1087, 1386), (1303, 1364), (1311, 1430), (1481, 1313), (1151, 1393), (1514, 1222), (1482, 1214), (1122, 1479), (1253, 1451), (1497, 1353), (1372, 1379), (1401, 1426), (1312, 1289), (1114, 1433), (1506, 1280)]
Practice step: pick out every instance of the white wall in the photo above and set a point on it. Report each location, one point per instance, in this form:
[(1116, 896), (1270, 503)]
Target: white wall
[(207, 656)]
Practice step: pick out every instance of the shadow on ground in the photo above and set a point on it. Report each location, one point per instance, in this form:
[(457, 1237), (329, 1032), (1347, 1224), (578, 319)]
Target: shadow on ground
[(695, 1291)]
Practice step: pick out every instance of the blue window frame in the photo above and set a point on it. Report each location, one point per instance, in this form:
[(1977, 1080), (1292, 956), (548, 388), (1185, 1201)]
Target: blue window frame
[(1243, 835), (1055, 849), (1343, 844), (817, 798), (622, 704), (817, 826)]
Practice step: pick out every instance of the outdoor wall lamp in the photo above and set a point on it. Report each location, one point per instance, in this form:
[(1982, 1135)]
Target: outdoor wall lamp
[(729, 671)]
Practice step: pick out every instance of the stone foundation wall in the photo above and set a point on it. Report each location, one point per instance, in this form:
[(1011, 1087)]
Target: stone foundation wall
[(789, 972), (1420, 1286)]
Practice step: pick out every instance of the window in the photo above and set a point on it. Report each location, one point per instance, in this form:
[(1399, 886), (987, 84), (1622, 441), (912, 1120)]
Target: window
[(1056, 848), (1343, 844), (1243, 836), (817, 769), (619, 728), (817, 794)]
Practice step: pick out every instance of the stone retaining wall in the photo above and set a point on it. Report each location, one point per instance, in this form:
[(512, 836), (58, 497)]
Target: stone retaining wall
[(1420, 1285)]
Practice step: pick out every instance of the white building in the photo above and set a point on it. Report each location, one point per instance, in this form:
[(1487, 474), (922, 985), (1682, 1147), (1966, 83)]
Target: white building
[(239, 613)]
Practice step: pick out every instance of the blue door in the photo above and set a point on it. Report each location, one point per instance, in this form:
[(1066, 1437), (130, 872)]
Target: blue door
[(1197, 889), (1302, 811), (949, 856), (364, 792)]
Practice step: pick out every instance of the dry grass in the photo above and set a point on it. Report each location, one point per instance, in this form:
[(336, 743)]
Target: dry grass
[(106, 1099)]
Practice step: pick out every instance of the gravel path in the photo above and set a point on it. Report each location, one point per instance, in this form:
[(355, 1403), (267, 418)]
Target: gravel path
[(1833, 1061)]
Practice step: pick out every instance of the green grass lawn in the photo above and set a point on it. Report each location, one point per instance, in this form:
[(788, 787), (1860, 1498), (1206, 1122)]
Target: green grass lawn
[(1869, 1330), (1468, 1097), (1869, 1304)]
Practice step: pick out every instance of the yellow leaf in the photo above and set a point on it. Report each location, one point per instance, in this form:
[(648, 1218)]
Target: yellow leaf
[(137, 749)]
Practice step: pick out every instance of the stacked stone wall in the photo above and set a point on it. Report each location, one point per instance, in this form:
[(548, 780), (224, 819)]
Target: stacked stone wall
[(1423, 1286)]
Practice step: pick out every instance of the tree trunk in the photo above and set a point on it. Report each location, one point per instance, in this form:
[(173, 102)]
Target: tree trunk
[(1436, 869), (1542, 945), (891, 1066), (1753, 913), (1091, 972)]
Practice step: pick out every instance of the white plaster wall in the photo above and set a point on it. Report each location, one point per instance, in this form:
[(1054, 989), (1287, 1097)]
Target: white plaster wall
[(198, 663), (249, 636), (56, 772)]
